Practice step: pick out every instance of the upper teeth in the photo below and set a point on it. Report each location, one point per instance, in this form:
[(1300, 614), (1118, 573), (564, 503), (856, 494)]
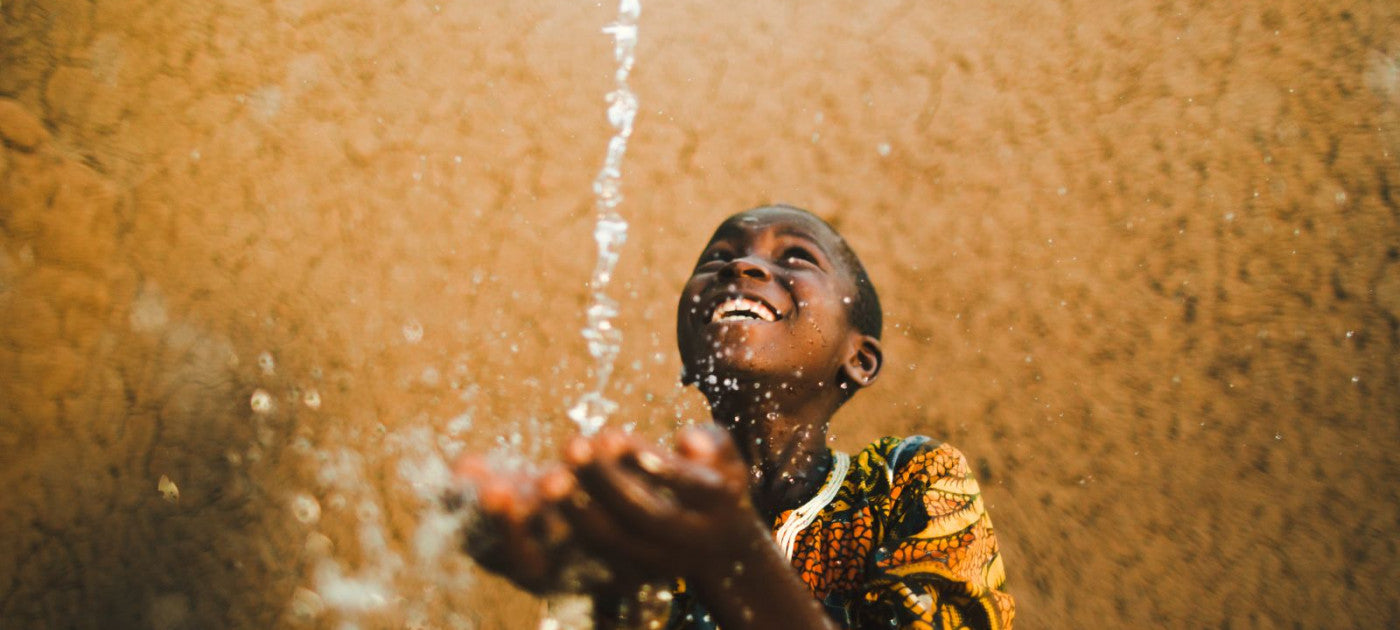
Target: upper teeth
[(742, 308)]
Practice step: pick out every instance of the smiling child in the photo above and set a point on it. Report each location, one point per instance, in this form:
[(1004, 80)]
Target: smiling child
[(758, 523)]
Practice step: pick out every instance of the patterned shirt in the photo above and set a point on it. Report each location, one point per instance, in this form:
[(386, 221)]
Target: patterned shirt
[(905, 544)]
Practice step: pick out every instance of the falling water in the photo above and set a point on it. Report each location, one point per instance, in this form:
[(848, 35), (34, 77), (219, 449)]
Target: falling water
[(372, 580), (604, 339)]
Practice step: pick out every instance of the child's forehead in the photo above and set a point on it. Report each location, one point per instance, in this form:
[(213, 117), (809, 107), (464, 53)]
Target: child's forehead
[(784, 221)]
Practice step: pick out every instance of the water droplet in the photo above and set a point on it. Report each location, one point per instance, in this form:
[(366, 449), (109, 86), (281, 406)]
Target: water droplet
[(459, 425), (311, 399), (261, 401), (306, 509), (413, 331), (367, 511), (266, 364), (306, 604), (168, 490), (883, 149)]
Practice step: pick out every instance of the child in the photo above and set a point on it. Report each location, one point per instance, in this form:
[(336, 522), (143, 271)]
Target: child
[(778, 326)]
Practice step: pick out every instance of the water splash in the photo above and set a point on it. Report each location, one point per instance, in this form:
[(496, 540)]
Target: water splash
[(364, 568), (372, 576), (604, 339)]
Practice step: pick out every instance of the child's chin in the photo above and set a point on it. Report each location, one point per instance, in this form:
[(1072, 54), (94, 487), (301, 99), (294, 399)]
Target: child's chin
[(731, 371)]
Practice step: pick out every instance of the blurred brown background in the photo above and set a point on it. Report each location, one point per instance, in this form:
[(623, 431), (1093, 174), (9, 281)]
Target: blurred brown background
[(1140, 259)]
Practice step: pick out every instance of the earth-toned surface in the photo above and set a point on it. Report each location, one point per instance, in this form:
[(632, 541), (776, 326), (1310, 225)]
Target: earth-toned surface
[(1140, 260)]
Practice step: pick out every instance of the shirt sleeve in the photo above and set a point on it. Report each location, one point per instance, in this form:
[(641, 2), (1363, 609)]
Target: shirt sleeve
[(937, 564)]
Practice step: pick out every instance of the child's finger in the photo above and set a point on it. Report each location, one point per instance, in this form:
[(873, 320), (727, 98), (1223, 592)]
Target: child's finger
[(579, 451), (707, 444), (697, 444), (613, 444), (555, 484), (609, 445), (494, 497)]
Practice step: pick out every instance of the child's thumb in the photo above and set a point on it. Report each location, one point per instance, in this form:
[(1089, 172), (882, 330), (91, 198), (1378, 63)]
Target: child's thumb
[(705, 444)]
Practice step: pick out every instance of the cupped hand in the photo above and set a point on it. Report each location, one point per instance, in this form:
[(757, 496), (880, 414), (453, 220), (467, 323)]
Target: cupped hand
[(663, 514)]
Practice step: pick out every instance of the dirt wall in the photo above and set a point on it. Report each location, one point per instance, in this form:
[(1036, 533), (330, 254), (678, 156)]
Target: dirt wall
[(1140, 260)]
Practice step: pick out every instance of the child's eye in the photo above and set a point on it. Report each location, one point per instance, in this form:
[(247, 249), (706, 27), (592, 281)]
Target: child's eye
[(712, 257), (795, 254)]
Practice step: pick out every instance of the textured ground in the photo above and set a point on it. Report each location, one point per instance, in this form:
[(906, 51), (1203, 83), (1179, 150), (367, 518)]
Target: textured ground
[(1141, 260)]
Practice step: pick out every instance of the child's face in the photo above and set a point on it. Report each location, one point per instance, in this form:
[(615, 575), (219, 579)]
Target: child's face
[(769, 301)]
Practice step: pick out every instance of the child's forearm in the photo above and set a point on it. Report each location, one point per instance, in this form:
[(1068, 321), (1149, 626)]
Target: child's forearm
[(758, 589)]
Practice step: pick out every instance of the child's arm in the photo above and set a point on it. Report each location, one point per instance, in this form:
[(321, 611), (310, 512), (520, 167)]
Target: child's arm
[(688, 515)]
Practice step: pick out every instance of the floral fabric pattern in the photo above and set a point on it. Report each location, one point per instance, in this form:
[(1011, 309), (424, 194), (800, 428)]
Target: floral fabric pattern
[(906, 543)]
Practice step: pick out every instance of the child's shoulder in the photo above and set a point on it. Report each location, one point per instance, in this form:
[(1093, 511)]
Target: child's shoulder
[(915, 456)]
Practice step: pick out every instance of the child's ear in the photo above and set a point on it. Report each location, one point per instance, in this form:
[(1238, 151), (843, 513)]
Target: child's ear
[(863, 363)]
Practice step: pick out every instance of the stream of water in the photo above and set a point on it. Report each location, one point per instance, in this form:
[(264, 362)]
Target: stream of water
[(370, 580), (604, 339)]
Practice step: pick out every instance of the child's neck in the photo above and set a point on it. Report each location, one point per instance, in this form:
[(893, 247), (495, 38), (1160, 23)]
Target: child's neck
[(782, 439)]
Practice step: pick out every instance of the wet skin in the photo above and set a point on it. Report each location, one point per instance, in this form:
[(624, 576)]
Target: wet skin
[(774, 371), (784, 262), (774, 385)]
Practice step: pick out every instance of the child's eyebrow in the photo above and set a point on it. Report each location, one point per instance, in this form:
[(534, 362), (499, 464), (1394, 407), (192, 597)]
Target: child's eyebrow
[(731, 230), (724, 232), (805, 235)]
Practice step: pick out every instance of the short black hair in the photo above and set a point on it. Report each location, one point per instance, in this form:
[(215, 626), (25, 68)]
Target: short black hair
[(864, 311)]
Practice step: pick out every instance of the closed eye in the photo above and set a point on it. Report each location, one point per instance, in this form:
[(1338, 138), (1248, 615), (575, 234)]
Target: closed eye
[(799, 254), (713, 257)]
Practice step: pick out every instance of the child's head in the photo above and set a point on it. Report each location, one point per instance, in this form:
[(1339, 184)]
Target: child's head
[(779, 298)]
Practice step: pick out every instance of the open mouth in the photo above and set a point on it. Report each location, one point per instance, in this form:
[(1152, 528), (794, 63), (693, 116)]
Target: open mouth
[(741, 309)]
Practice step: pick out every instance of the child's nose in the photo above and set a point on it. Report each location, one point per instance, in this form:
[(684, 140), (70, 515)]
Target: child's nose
[(746, 267)]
